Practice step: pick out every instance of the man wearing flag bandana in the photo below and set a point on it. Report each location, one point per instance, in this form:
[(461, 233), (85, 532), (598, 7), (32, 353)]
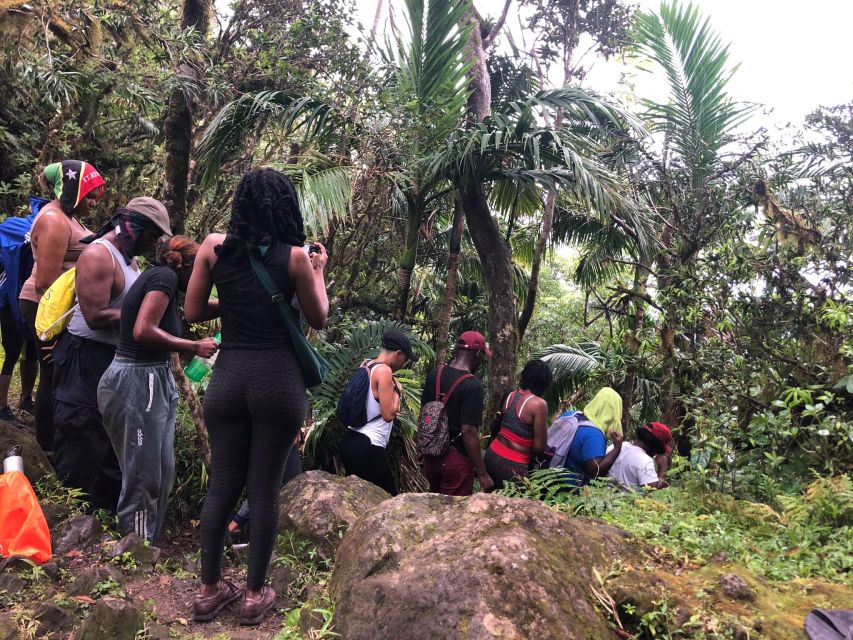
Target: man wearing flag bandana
[(83, 453)]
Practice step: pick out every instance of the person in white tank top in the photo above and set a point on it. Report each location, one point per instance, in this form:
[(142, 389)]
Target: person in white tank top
[(83, 454), (363, 450)]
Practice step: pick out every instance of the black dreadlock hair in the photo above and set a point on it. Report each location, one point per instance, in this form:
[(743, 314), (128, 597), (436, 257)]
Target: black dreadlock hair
[(265, 210)]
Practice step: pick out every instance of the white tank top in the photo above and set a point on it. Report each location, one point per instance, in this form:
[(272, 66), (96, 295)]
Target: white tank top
[(376, 428), (78, 326)]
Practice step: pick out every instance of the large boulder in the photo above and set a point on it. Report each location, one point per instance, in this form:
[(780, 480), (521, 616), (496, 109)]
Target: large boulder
[(36, 464), (431, 566), (320, 507)]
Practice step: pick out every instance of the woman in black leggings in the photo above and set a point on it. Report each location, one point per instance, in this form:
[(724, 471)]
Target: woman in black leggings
[(256, 401)]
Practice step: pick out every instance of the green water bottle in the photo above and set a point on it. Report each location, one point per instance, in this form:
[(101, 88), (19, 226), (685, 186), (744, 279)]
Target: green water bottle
[(200, 367)]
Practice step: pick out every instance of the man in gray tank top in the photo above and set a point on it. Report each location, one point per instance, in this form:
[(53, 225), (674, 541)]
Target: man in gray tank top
[(83, 454)]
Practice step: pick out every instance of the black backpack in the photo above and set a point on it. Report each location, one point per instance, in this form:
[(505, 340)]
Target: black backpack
[(352, 409)]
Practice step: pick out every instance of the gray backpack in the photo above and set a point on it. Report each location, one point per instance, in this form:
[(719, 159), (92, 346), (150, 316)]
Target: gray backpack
[(433, 435)]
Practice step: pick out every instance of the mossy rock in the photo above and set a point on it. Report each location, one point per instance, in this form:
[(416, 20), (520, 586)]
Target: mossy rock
[(320, 507), (431, 566), (774, 610)]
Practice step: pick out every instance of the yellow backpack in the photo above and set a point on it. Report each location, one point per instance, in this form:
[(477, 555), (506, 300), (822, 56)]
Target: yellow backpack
[(56, 306)]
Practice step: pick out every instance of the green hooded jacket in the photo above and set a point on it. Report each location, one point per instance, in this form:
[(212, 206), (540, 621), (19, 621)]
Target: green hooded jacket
[(605, 411)]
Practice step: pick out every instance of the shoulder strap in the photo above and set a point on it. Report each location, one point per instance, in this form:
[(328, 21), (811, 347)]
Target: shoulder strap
[(265, 278), (108, 246), (523, 404), (438, 382), (450, 391), (370, 367), (509, 398)]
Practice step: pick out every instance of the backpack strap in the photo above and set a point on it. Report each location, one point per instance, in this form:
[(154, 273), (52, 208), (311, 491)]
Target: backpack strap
[(450, 391), (438, 383)]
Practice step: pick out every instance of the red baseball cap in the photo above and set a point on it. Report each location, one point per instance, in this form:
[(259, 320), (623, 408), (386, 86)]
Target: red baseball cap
[(661, 433), (473, 341)]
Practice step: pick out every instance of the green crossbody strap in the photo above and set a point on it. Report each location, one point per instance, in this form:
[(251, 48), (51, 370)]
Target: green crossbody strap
[(315, 368)]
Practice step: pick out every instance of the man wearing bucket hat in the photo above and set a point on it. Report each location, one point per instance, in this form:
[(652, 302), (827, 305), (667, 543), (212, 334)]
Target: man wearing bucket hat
[(635, 466), (84, 456), (453, 473)]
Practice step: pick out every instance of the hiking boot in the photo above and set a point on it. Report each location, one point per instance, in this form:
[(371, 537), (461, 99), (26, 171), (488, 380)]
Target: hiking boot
[(7, 416), (27, 405), (208, 607), (254, 608)]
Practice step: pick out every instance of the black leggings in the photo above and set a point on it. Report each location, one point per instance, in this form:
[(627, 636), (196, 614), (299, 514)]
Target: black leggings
[(364, 459), (254, 406), (44, 394), (13, 342)]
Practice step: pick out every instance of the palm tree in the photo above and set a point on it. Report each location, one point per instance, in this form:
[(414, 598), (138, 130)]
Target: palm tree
[(696, 122), (513, 147)]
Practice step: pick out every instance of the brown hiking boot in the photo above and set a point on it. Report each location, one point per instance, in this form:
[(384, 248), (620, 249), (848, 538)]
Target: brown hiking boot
[(207, 607), (255, 607)]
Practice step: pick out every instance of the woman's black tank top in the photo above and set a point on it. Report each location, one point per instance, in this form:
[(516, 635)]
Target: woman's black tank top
[(250, 319)]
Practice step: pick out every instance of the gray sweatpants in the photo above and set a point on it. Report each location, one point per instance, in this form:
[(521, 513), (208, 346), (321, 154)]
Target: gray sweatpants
[(138, 402)]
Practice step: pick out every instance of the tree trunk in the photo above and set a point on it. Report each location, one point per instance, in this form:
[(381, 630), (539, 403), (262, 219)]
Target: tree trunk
[(186, 388), (480, 100), (497, 266), (492, 249), (452, 280), (538, 252), (641, 276), (178, 127), (409, 258)]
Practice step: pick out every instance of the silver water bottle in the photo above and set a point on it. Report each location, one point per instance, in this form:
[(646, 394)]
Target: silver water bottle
[(13, 460)]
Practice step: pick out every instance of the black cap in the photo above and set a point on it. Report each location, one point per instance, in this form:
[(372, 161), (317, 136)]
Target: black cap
[(399, 341)]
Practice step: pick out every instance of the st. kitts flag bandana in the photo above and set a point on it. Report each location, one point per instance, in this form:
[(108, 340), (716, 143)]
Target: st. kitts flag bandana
[(71, 181)]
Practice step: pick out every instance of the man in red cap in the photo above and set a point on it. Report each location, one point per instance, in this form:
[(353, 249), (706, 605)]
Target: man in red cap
[(635, 466), (453, 473)]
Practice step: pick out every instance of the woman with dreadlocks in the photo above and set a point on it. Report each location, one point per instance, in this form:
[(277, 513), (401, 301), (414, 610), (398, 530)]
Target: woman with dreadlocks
[(256, 401)]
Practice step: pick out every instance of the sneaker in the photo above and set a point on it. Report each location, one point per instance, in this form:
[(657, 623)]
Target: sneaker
[(206, 608), (6, 415), (254, 608), (27, 405)]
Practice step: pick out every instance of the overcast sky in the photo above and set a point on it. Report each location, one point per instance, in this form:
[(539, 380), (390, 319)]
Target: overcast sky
[(794, 56)]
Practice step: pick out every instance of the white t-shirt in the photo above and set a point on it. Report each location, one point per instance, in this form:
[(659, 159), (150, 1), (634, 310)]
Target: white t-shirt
[(634, 467)]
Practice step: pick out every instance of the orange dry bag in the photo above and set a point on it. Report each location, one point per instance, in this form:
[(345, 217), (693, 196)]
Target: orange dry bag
[(23, 529)]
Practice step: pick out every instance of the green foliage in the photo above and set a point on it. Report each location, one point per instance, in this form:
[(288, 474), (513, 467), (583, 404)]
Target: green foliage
[(312, 572), (812, 537)]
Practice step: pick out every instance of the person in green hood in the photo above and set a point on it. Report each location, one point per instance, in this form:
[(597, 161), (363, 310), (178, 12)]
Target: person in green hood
[(587, 457)]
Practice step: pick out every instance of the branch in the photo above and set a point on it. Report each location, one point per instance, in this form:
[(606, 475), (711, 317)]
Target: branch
[(493, 34), (634, 263), (642, 296)]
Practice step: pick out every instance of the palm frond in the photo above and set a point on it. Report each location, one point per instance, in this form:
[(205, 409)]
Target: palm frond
[(570, 365), (324, 190), (430, 63), (700, 113), (317, 120)]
